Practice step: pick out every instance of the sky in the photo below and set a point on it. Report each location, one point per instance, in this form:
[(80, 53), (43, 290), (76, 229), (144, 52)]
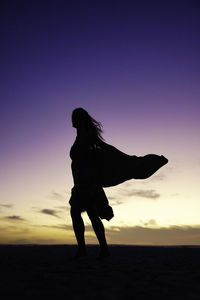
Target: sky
[(135, 67)]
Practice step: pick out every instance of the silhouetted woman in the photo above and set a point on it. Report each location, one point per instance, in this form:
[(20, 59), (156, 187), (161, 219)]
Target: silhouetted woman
[(96, 164), (87, 194)]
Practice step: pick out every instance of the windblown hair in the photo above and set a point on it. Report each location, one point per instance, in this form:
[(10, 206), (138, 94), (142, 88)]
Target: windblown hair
[(80, 117)]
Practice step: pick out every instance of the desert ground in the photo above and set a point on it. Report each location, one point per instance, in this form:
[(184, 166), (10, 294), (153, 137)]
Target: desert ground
[(131, 272)]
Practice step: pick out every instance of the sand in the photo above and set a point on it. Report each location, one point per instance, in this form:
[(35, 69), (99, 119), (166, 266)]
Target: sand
[(132, 272)]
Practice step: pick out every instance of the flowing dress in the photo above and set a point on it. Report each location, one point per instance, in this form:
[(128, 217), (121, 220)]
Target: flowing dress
[(87, 191), (115, 167), (96, 164)]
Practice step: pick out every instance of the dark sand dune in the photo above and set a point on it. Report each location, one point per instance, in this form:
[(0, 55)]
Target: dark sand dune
[(37, 272)]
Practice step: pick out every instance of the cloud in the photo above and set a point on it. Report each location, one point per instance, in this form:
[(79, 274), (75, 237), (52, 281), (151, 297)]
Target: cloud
[(65, 227), (138, 235), (50, 241), (144, 235), (33, 240), (14, 229), (62, 207), (150, 194), (151, 222), (19, 241), (57, 196), (130, 235), (112, 198), (14, 218), (51, 212), (114, 201), (117, 202), (6, 205)]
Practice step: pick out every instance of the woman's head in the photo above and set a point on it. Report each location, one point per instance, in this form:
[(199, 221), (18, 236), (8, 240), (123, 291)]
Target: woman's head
[(81, 119)]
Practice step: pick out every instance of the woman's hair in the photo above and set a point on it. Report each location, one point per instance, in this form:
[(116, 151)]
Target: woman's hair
[(80, 117)]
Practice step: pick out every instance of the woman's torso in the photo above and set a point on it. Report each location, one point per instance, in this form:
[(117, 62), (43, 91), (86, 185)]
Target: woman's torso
[(83, 168)]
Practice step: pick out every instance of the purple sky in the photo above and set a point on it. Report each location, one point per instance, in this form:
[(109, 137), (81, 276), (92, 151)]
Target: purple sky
[(127, 59), (134, 65)]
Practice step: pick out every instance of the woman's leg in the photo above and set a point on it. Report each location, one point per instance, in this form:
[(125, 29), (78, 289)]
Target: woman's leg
[(79, 230), (99, 231)]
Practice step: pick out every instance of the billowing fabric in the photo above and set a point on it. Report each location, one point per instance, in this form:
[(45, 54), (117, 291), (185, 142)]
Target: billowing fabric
[(96, 164), (115, 167), (84, 198)]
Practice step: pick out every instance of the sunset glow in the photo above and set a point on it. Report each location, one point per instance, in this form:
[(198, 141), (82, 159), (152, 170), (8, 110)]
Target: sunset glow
[(134, 66)]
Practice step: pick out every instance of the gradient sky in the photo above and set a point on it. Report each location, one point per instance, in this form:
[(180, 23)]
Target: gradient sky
[(134, 66)]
